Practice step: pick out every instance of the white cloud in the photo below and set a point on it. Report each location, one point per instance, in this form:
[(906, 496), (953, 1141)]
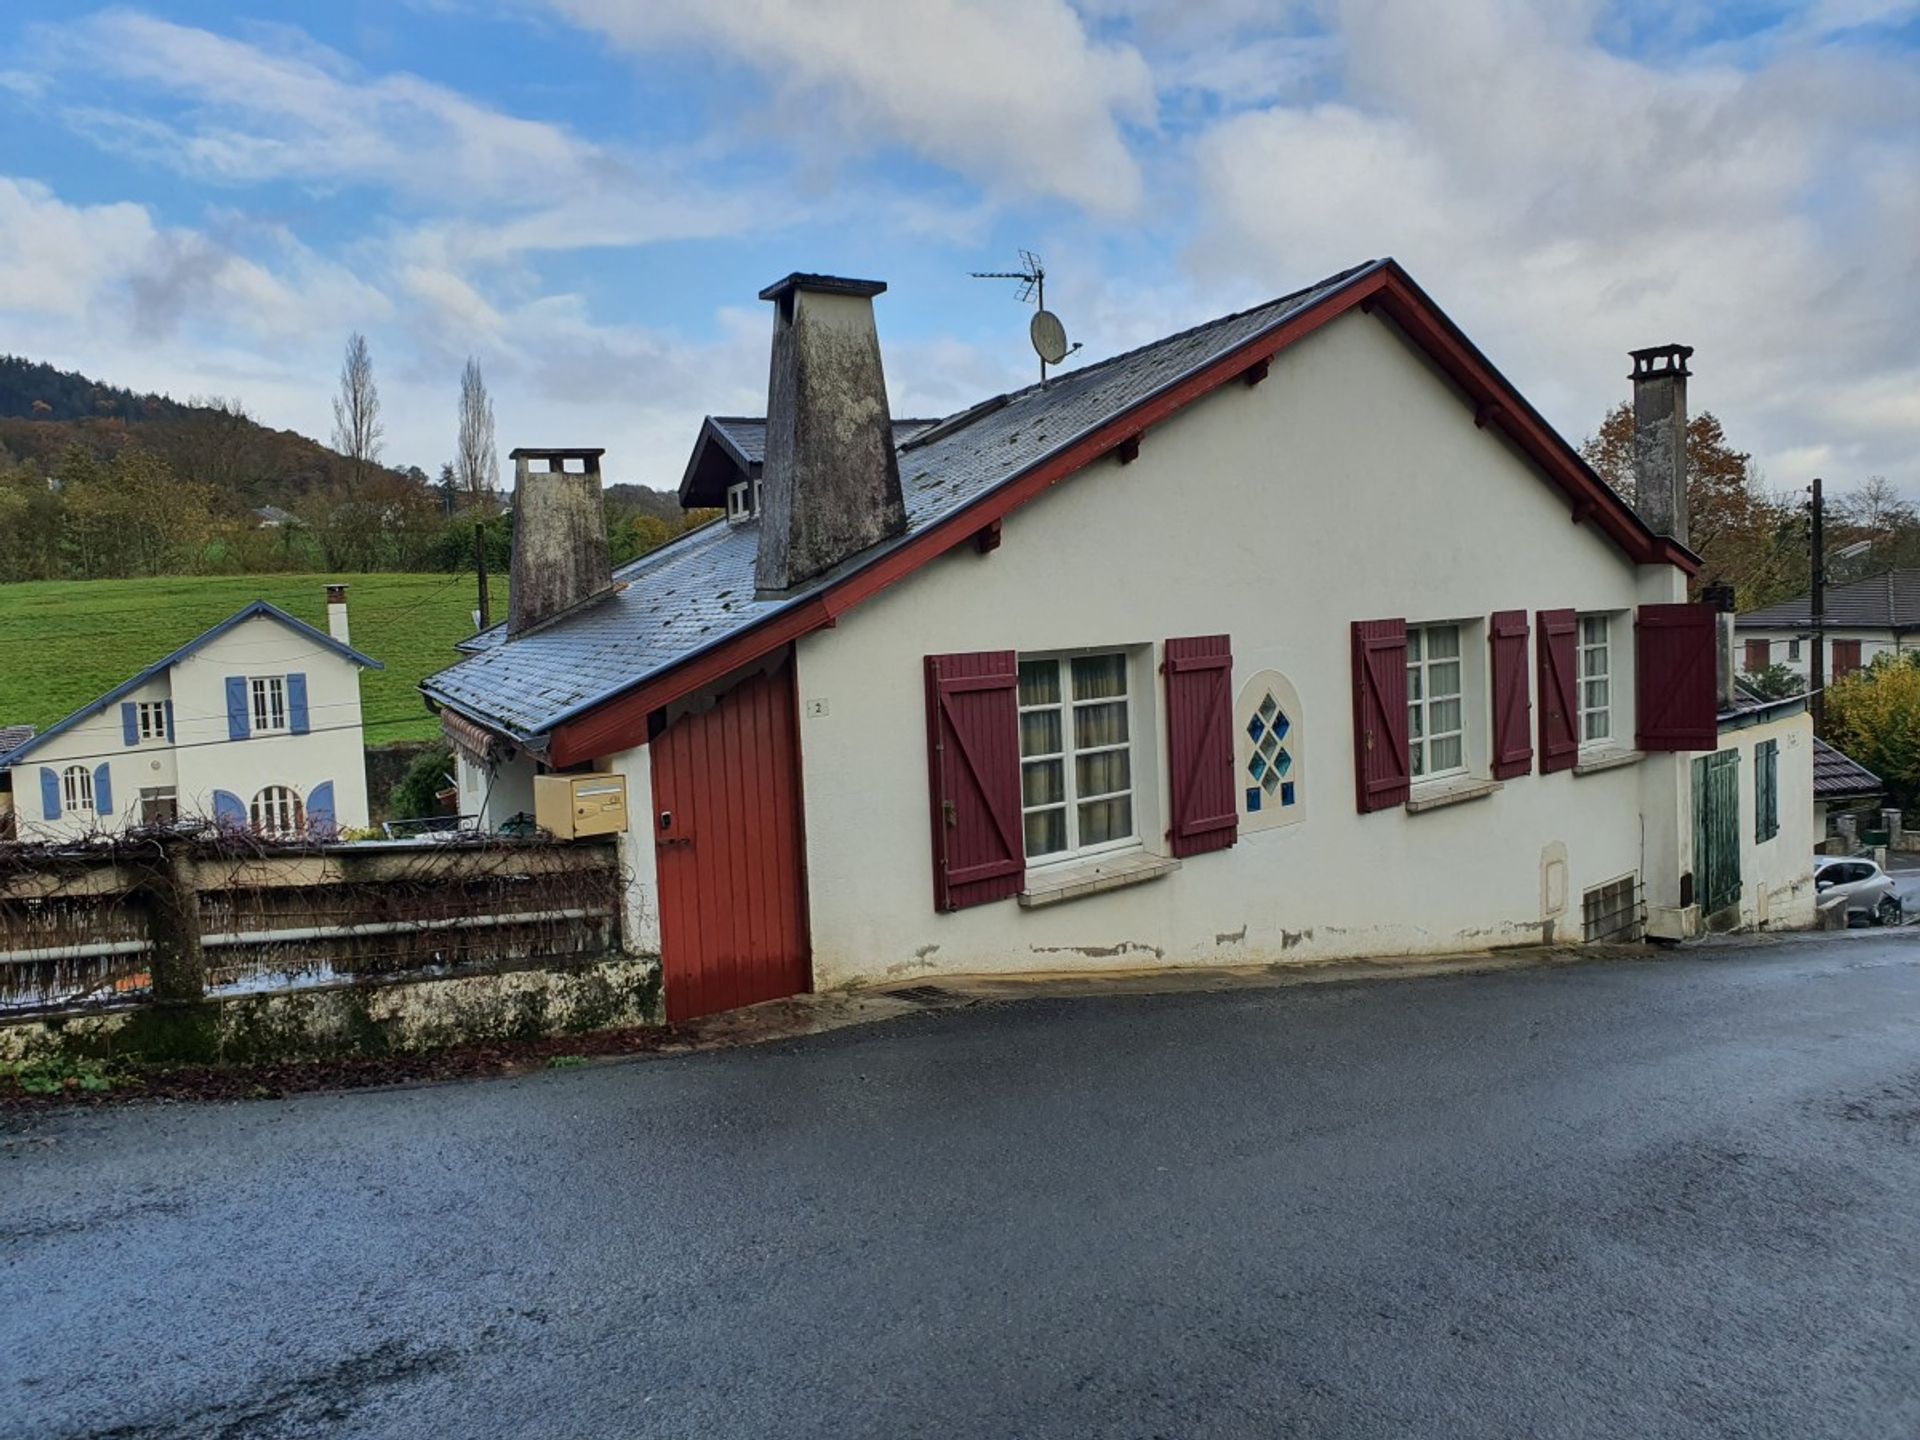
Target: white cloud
[(1014, 94), (281, 107), (1566, 204)]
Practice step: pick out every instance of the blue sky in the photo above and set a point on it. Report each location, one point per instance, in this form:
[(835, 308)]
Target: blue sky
[(204, 198)]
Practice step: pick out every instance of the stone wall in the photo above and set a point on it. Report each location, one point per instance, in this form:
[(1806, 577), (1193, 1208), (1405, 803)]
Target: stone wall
[(376, 1017)]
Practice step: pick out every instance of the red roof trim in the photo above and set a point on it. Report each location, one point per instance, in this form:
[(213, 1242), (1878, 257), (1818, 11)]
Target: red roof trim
[(621, 722)]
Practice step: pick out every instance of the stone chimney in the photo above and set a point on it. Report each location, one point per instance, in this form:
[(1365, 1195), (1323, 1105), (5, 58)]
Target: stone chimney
[(337, 613), (830, 484), (1660, 437), (559, 536), (1719, 596)]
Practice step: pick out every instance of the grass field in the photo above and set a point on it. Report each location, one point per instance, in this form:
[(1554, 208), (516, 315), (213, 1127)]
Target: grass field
[(65, 642)]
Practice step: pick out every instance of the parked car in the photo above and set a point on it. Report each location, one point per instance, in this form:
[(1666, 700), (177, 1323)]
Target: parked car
[(1868, 888)]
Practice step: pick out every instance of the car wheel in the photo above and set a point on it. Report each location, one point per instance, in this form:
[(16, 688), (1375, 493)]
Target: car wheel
[(1889, 911)]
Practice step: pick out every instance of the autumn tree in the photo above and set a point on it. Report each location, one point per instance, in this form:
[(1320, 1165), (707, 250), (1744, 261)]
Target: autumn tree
[(357, 430), (1873, 716), (1751, 538), (1875, 515)]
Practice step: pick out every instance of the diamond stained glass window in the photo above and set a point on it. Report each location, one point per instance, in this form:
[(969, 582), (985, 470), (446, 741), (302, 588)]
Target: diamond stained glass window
[(1271, 760)]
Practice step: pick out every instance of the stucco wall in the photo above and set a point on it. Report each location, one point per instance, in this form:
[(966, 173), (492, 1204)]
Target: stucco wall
[(1352, 484), (1776, 876), (203, 759), (1872, 643), (498, 794)]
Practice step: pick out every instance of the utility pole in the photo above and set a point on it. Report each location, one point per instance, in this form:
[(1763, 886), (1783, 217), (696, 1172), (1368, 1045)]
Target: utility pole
[(486, 605), (1817, 611)]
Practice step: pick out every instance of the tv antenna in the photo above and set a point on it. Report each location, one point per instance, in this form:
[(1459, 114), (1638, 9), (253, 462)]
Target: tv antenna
[(1049, 336)]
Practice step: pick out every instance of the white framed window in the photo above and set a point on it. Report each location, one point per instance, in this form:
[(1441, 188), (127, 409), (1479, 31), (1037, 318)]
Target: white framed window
[(76, 789), (1076, 755), (269, 702), (743, 500), (153, 720), (1436, 720), (277, 811), (1596, 679)]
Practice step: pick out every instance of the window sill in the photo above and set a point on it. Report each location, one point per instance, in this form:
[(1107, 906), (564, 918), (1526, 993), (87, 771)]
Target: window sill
[(1442, 793), (1598, 760), (1091, 877)]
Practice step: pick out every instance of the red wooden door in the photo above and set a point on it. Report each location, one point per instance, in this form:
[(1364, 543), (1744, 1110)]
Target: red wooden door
[(1846, 658), (727, 833)]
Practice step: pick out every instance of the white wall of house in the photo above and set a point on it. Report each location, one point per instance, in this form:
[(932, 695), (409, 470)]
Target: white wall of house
[(498, 793), (334, 749), (1277, 514), (1776, 875), (202, 758), (1794, 648)]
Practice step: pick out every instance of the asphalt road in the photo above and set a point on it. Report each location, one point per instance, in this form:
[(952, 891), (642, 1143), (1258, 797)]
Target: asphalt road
[(1669, 1198)]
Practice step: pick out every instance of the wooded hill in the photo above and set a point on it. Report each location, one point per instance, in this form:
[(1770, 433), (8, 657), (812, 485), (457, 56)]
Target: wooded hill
[(98, 481), (44, 412)]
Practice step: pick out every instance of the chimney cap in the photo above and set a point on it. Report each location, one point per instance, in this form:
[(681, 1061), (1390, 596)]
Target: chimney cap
[(534, 453), (1646, 366), (829, 284)]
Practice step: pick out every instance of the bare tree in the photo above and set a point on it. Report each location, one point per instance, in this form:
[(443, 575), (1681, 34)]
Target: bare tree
[(356, 412), (477, 459)]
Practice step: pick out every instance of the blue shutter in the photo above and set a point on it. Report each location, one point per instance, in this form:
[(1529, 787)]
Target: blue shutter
[(102, 791), (228, 812), (320, 810), (169, 722), (130, 722), (297, 703), (236, 707), (50, 806)]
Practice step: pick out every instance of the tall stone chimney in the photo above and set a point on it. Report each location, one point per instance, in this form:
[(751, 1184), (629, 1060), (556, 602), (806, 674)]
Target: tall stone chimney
[(830, 484), (1660, 437), (1719, 596), (559, 536), (337, 613)]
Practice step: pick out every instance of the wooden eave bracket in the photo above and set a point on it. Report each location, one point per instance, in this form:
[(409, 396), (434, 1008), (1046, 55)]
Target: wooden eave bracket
[(1257, 371), (1486, 412), (1128, 450), (986, 539)]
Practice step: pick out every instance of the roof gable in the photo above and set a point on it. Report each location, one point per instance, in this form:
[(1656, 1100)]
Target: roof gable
[(731, 448), (258, 610), (585, 686)]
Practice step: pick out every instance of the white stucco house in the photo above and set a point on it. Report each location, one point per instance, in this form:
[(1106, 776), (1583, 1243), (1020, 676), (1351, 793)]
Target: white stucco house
[(1860, 622), (1295, 636), (254, 724)]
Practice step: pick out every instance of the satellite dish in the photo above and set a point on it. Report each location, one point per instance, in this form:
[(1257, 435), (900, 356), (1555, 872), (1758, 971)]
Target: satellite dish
[(1049, 337)]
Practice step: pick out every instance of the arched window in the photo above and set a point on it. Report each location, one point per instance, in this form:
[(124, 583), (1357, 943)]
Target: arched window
[(1272, 770), (76, 785), (277, 811)]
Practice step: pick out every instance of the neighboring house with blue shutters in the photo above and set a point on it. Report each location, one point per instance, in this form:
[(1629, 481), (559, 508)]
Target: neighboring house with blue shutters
[(254, 725)]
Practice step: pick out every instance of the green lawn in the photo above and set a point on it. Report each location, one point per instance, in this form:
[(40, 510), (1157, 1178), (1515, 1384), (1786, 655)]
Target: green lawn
[(65, 642)]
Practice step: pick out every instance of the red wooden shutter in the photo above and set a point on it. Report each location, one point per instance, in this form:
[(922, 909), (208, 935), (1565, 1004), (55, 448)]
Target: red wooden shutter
[(1512, 728), (1200, 761), (1757, 656), (1676, 663), (1559, 690), (973, 760), (1382, 765)]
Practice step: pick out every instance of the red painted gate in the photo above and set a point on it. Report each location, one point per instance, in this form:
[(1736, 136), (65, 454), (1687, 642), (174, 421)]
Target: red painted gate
[(727, 833)]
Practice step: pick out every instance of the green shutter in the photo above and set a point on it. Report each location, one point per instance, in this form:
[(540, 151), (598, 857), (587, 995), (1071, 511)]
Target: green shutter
[(1766, 791)]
